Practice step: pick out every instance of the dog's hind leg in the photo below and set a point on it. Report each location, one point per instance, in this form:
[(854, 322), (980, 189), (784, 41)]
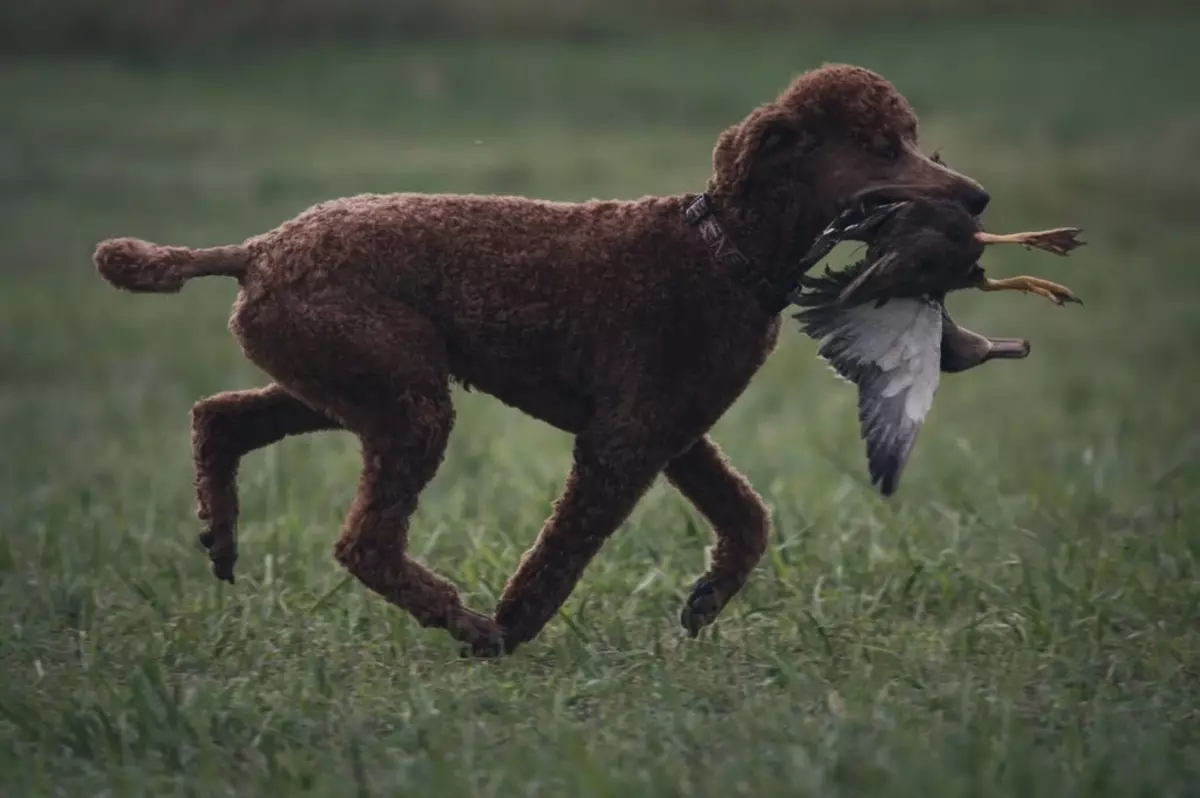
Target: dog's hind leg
[(225, 428), (740, 521), (381, 370)]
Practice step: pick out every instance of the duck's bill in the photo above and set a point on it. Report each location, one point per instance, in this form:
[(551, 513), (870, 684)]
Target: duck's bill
[(1013, 348), (963, 349)]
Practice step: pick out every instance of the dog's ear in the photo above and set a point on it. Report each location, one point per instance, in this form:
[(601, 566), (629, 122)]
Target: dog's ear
[(766, 134), (773, 135)]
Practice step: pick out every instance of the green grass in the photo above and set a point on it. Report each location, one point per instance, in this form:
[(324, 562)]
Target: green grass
[(1023, 619)]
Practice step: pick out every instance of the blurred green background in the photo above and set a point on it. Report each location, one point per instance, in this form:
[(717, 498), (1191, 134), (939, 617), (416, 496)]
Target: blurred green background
[(1022, 619)]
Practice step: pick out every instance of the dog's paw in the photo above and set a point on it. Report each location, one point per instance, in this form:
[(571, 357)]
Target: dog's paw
[(222, 551), (480, 635), (223, 569), (702, 606)]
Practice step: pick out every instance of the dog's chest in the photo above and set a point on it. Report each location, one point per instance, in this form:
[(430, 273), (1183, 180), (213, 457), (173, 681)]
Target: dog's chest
[(707, 370)]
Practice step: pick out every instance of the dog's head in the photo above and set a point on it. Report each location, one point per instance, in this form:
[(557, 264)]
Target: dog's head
[(839, 136)]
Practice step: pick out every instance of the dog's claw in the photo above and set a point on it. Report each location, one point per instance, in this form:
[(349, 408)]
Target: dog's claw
[(701, 608)]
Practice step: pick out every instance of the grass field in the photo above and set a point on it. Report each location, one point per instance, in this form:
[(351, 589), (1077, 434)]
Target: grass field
[(1023, 619)]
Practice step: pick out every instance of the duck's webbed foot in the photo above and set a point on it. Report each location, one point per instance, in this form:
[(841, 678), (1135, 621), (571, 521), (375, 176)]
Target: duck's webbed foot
[(1060, 240), (1058, 294)]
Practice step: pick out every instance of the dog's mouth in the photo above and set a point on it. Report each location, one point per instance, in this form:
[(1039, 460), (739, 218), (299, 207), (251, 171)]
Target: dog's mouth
[(872, 199), (883, 195), (867, 211)]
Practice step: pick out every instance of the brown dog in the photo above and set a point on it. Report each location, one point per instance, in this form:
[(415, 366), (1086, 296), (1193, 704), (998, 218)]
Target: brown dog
[(633, 325)]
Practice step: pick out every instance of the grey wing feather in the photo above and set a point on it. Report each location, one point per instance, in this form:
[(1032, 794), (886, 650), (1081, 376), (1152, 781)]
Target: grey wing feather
[(892, 352)]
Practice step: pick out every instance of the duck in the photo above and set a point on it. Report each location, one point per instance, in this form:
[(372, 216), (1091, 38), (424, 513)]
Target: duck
[(882, 322)]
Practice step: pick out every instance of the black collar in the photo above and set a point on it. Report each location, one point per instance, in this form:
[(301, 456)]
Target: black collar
[(699, 214)]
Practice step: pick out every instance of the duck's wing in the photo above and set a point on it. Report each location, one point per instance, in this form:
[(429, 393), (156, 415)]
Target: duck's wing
[(880, 275), (892, 352), (876, 275)]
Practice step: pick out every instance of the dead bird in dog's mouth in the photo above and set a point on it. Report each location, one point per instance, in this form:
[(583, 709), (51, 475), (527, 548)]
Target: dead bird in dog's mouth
[(882, 322)]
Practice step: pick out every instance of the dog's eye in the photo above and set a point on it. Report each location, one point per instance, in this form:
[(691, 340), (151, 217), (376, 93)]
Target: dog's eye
[(889, 152)]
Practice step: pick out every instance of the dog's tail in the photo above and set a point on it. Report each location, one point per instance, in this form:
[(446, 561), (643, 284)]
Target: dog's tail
[(143, 267)]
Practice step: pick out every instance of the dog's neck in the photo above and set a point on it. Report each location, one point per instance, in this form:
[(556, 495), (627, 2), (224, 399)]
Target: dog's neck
[(760, 256)]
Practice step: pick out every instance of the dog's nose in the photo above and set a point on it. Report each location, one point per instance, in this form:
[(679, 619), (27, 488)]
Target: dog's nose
[(976, 199)]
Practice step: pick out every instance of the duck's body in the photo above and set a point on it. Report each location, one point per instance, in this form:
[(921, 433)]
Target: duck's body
[(883, 323)]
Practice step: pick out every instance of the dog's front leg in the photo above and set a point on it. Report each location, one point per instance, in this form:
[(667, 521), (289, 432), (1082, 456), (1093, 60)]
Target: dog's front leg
[(740, 521), (610, 473)]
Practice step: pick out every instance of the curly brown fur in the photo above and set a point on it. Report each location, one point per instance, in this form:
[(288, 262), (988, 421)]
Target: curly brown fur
[(142, 267), (609, 320)]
